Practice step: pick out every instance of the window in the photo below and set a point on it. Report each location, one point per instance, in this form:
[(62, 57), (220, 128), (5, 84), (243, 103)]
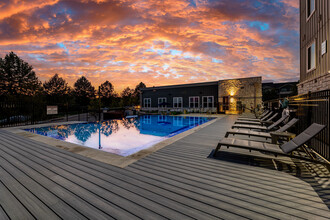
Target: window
[(311, 57), (177, 102), (147, 102), (161, 102), (310, 7), (193, 102), (208, 101)]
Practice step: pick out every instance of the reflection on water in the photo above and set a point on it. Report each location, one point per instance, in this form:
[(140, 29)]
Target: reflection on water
[(122, 137)]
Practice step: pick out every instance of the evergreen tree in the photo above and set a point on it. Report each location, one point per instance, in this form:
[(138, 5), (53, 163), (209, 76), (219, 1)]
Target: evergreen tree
[(57, 89), (107, 93), (269, 94), (84, 91), (137, 91), (17, 77), (127, 97)]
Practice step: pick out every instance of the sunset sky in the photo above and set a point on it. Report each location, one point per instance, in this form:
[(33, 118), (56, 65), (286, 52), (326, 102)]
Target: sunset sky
[(157, 42)]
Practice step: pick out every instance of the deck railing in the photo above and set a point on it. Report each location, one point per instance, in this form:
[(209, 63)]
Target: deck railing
[(311, 108)]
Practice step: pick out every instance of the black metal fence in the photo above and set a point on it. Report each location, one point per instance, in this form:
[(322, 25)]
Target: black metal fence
[(311, 108), (18, 113)]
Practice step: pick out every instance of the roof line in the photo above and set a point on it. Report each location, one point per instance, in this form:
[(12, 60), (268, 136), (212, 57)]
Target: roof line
[(194, 84)]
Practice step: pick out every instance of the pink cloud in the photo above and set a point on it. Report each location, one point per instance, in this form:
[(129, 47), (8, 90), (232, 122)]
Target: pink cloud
[(157, 42)]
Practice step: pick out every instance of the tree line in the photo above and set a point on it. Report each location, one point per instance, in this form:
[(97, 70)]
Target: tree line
[(18, 81)]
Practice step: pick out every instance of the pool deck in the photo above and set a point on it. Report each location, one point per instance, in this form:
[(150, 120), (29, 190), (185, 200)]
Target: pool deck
[(179, 181)]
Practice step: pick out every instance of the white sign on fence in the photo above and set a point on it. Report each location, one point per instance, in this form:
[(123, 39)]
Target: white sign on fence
[(324, 47), (52, 110)]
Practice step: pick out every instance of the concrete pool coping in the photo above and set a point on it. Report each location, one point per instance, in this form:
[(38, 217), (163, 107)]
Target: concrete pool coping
[(103, 156)]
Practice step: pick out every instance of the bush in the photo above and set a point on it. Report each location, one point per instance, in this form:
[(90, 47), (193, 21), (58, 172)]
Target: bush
[(176, 113)]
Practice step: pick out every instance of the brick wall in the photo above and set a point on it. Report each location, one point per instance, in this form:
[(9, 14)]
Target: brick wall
[(314, 85), (248, 91)]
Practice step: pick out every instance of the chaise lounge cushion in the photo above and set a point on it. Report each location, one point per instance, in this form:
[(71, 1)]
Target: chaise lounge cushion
[(256, 119), (284, 149), (260, 122), (251, 145), (256, 127), (247, 132), (302, 138), (262, 134)]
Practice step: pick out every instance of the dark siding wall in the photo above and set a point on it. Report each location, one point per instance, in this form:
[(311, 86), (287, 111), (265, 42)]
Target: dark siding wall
[(210, 90), (316, 28)]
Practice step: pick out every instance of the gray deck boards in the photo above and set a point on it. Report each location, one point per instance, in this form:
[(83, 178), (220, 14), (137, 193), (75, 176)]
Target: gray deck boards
[(176, 182)]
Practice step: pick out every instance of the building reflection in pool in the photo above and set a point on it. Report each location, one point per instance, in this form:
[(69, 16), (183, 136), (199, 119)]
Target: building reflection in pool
[(122, 137)]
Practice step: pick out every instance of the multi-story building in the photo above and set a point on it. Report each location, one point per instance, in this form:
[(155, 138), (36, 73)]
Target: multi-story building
[(227, 96), (272, 90), (314, 46)]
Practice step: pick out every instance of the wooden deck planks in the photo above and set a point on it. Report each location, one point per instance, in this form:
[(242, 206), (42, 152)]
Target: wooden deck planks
[(176, 182), (31, 202), (175, 205), (265, 181), (83, 192), (261, 193), (11, 206), (127, 197), (172, 203), (3, 214)]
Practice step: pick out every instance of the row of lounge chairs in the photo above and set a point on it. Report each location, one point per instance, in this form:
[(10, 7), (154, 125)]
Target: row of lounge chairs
[(255, 127)]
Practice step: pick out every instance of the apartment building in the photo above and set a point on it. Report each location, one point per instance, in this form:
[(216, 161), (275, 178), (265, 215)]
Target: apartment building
[(314, 46), (227, 96)]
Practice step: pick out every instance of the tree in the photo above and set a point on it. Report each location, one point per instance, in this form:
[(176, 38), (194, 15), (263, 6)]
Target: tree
[(84, 91), (57, 89), (17, 77), (137, 91), (106, 93), (269, 94), (126, 96)]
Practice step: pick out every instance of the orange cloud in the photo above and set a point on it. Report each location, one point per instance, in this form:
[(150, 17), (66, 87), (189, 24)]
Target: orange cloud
[(156, 42)]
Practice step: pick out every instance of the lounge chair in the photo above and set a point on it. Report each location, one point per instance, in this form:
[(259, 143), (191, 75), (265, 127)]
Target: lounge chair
[(255, 116), (262, 128), (259, 133), (285, 149), (256, 119), (261, 122)]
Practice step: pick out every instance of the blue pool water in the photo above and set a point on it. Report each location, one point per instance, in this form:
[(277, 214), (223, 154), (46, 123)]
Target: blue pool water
[(123, 137)]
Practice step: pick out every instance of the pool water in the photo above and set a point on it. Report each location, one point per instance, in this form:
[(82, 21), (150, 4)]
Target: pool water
[(123, 137)]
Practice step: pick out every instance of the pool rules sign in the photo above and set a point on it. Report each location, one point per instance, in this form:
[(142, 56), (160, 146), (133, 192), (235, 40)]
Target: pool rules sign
[(52, 110), (324, 47)]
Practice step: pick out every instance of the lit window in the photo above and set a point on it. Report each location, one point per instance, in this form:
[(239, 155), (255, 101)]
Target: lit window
[(193, 102), (177, 102), (208, 101), (310, 7), (311, 57), (147, 102)]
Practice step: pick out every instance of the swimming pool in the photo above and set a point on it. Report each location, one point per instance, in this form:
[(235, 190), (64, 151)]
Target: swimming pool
[(123, 137)]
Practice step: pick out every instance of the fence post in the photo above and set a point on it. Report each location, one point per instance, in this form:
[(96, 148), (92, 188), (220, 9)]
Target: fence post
[(309, 111), (99, 113), (87, 114), (32, 119), (67, 111)]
